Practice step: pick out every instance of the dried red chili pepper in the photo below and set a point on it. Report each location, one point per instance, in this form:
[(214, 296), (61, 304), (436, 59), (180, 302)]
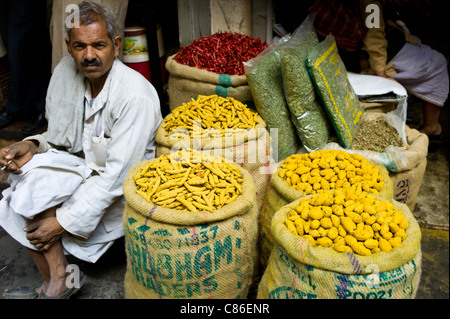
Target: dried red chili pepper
[(222, 52)]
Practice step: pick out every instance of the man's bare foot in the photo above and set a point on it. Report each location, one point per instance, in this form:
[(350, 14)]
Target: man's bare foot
[(57, 284), (56, 288), (61, 289), (431, 130), (41, 288)]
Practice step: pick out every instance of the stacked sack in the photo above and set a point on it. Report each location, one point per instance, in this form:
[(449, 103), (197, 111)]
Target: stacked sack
[(316, 172), (342, 245), (212, 65), (190, 230), (315, 217), (210, 103), (220, 126), (331, 229), (310, 88)]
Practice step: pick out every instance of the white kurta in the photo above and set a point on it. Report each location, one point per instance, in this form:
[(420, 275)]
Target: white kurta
[(119, 129)]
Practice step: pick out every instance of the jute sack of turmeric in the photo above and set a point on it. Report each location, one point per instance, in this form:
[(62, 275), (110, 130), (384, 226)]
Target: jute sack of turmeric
[(186, 82), (406, 165), (224, 127), (305, 174), (298, 269), (181, 254)]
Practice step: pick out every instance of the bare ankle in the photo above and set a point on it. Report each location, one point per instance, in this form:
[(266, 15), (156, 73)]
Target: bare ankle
[(435, 129), (60, 270)]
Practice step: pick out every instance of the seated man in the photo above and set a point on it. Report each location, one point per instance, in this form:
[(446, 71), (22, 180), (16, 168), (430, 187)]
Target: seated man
[(66, 184)]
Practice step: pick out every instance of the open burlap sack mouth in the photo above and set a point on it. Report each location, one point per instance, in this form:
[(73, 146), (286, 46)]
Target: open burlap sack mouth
[(279, 193), (297, 270), (182, 254)]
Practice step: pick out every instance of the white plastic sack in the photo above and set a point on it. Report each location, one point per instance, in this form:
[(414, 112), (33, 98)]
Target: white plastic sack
[(371, 88)]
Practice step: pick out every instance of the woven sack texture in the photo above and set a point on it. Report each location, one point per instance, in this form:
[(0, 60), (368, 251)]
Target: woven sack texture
[(176, 254), (296, 270)]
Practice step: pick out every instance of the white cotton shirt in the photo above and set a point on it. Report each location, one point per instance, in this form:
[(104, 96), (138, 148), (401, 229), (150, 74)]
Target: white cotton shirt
[(127, 110), (123, 118)]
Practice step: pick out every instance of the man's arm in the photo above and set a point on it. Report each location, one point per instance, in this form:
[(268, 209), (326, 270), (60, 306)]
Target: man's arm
[(134, 127), (374, 42), (41, 141)]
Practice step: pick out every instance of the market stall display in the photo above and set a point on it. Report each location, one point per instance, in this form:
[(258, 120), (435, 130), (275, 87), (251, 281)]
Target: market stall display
[(180, 253), (298, 269), (212, 65), (317, 172), (224, 127), (324, 214)]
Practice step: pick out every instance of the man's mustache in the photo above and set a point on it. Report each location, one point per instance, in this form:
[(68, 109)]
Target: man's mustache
[(93, 62)]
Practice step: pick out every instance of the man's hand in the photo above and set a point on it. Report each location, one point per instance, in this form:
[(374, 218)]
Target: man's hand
[(377, 73), (380, 73), (44, 232), (14, 156)]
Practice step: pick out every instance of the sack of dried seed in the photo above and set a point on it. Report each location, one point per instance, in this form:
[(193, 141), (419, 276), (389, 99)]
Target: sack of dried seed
[(266, 84), (329, 75), (308, 114)]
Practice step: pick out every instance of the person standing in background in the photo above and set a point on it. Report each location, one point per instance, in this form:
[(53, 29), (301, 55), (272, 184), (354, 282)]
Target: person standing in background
[(419, 68), (387, 50), (23, 27)]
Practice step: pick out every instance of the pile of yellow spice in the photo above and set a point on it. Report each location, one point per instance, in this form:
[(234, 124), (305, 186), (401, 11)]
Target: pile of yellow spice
[(348, 222), (325, 170), (189, 180), (211, 116)]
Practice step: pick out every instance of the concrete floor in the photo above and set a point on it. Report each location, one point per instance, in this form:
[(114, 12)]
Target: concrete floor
[(105, 278), (432, 213)]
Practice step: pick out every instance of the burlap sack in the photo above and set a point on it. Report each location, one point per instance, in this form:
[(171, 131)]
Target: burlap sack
[(279, 193), (174, 254), (251, 150), (407, 176), (296, 270), (406, 166), (186, 82)]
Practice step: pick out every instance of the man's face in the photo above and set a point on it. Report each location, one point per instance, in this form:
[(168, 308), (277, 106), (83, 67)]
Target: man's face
[(92, 49)]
